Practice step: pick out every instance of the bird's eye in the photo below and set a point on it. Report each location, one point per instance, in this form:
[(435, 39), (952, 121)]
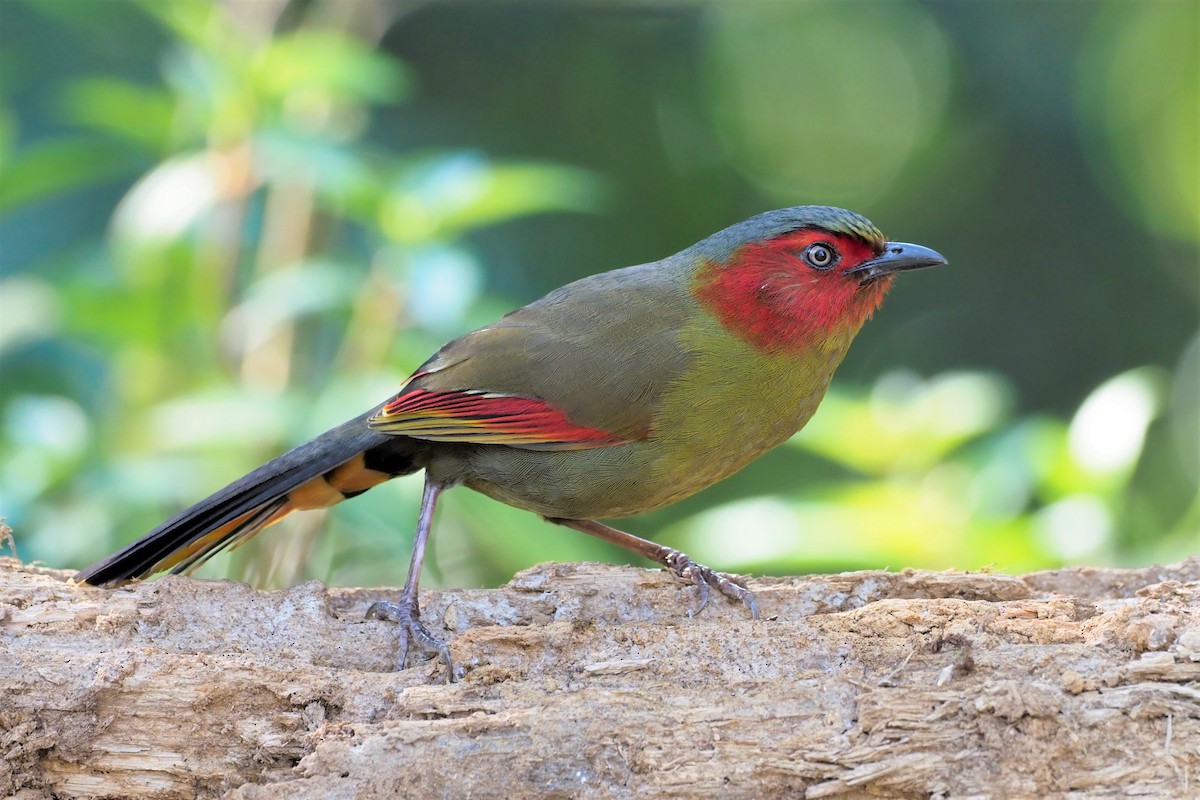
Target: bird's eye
[(820, 256)]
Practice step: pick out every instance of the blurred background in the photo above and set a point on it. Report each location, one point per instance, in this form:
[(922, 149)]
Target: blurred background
[(227, 226)]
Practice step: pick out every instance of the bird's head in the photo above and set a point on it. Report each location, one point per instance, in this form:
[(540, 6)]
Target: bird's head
[(799, 277)]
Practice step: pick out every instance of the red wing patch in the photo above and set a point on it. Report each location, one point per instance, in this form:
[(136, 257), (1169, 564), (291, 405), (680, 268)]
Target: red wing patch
[(486, 418)]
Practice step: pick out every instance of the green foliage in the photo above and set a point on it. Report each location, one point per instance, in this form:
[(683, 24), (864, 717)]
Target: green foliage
[(251, 284), (58, 166), (947, 476), (276, 258)]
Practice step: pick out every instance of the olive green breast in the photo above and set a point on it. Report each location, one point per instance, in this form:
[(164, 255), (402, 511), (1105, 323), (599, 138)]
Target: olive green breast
[(728, 405), (735, 402)]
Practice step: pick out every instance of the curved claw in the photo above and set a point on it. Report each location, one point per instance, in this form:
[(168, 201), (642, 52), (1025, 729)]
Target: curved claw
[(409, 628), (702, 577)]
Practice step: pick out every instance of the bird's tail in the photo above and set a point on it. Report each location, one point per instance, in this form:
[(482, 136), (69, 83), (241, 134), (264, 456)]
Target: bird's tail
[(340, 463)]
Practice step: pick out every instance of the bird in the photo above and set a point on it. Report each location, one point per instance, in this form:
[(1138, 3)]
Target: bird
[(611, 396)]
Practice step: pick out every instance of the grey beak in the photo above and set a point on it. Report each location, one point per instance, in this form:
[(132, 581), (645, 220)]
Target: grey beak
[(897, 257)]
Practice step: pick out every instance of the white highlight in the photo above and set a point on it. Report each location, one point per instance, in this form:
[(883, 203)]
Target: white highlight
[(1076, 526), (168, 200), (745, 532), (1107, 432)]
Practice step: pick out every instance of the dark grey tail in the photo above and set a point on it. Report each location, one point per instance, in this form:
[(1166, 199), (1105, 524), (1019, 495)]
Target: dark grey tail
[(338, 464)]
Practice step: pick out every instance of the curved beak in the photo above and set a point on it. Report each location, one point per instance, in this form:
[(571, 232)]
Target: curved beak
[(897, 257)]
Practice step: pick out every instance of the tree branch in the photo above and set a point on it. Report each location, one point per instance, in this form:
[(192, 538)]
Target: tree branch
[(584, 680)]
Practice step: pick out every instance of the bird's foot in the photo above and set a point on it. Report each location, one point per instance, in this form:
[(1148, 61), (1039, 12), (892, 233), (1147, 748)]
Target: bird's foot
[(702, 577), (409, 630)]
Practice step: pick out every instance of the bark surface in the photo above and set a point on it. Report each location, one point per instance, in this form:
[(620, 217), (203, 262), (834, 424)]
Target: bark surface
[(582, 680)]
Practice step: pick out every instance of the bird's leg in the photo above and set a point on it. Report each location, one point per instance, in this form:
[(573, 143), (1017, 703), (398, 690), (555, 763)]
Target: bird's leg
[(407, 613), (676, 562)]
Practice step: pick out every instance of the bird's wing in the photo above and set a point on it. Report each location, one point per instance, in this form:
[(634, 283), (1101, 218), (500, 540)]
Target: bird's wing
[(482, 417), (581, 368)]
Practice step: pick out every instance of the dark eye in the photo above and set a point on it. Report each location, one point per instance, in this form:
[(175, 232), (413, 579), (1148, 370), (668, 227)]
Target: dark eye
[(820, 255)]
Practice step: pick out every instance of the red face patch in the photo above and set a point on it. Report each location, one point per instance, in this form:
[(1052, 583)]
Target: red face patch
[(778, 299)]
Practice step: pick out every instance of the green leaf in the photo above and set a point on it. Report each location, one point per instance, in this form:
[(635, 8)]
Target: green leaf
[(442, 198), (339, 174), (283, 296), (196, 22), (905, 422), (329, 63), (137, 113), (59, 166)]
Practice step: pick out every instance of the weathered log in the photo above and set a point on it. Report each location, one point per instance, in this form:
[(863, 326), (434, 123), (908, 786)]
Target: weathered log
[(582, 680)]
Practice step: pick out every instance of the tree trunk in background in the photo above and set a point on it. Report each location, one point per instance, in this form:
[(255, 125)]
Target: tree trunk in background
[(591, 681)]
